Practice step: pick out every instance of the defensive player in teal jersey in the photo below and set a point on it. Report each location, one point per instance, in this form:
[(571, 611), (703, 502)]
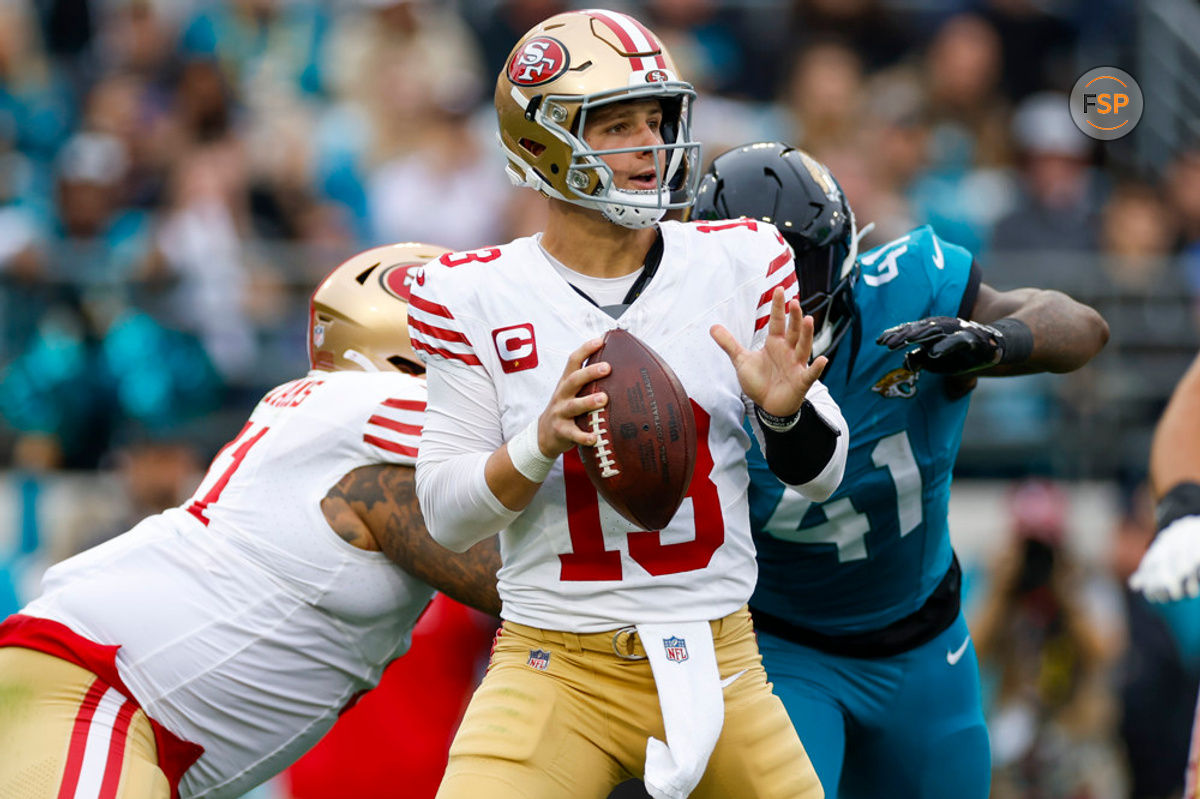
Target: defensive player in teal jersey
[(857, 604)]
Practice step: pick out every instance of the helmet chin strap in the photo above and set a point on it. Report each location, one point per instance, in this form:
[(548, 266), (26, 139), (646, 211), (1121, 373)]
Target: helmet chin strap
[(635, 213)]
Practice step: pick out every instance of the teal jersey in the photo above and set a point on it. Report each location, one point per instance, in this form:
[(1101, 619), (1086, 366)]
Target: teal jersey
[(875, 550)]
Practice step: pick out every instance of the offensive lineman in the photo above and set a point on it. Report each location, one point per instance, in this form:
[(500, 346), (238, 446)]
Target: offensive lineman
[(857, 605), (203, 651), (592, 115)]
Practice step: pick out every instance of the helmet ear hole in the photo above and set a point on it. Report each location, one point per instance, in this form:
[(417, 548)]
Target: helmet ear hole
[(406, 365), (532, 147)]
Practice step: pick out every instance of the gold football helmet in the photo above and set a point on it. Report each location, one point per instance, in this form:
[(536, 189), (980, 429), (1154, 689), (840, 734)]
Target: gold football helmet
[(570, 64), (358, 316)]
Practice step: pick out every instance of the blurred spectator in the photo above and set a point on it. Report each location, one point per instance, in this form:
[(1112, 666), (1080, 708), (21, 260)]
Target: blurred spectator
[(1183, 194), (91, 375), (1137, 234), (504, 22), (1045, 636), (824, 96), (703, 39), (1159, 670), (36, 111), (870, 28), (200, 273), (962, 71), (97, 237), (1060, 197), (966, 186), (1037, 45), (393, 65), (263, 46)]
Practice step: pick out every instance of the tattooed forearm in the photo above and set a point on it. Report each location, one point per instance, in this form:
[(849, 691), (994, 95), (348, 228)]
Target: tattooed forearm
[(383, 500)]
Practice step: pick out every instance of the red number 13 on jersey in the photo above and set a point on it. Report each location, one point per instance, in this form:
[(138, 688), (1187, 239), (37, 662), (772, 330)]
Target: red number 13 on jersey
[(589, 560)]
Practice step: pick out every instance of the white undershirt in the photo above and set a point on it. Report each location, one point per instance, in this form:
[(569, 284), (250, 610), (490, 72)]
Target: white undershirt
[(604, 290)]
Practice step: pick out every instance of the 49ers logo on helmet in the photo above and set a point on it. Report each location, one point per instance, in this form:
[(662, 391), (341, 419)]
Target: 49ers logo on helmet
[(540, 60), (398, 279), (657, 76)]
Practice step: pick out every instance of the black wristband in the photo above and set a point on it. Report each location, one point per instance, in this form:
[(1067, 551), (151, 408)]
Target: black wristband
[(780, 424), (1018, 340), (798, 455), (1182, 500)]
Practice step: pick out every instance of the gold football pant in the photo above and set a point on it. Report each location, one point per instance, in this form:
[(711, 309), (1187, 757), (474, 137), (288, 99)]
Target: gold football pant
[(65, 734), (563, 715)]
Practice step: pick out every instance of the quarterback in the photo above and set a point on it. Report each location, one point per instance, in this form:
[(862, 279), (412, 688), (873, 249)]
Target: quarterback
[(210, 646), (857, 604), (623, 652)]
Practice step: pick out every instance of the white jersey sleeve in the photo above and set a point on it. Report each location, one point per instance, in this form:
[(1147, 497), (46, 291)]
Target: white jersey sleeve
[(463, 426)]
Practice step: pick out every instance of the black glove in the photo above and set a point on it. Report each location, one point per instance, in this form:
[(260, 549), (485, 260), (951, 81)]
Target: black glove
[(948, 345)]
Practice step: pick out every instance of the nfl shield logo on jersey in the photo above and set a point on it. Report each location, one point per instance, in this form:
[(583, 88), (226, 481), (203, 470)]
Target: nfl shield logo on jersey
[(676, 649), (539, 659)]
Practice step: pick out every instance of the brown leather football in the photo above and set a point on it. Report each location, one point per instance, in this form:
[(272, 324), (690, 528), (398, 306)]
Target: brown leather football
[(643, 462)]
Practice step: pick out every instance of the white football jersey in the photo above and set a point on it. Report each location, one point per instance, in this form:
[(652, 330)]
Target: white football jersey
[(245, 623), (571, 562)]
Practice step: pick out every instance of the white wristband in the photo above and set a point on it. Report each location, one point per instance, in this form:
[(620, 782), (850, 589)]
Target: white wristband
[(526, 455)]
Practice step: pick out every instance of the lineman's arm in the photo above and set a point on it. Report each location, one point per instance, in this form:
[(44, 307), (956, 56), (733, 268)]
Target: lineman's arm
[(375, 508), (1170, 569), (1006, 333), (1066, 333)]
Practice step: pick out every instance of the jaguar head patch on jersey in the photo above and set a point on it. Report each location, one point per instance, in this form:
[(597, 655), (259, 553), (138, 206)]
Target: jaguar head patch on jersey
[(897, 384)]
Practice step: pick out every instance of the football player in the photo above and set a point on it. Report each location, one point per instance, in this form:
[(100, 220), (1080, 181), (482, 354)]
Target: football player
[(614, 639), (857, 603), (1170, 569), (210, 646)]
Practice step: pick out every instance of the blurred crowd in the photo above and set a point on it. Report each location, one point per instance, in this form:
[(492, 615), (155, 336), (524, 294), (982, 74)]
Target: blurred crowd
[(175, 175)]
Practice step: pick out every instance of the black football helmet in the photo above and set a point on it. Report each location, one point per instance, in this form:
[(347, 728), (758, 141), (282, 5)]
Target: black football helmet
[(799, 195)]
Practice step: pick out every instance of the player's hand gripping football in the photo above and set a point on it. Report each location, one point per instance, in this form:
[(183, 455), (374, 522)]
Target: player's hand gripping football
[(557, 431), (778, 376), (945, 344), (1170, 569)]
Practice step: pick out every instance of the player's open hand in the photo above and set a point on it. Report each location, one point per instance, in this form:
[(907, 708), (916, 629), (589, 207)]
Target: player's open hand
[(778, 376), (557, 431)]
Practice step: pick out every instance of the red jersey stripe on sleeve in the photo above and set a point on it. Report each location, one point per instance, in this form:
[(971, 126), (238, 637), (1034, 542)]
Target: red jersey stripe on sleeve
[(785, 284), (465, 357), (393, 424), (439, 333), (779, 261), (390, 446), (404, 404), (430, 307)]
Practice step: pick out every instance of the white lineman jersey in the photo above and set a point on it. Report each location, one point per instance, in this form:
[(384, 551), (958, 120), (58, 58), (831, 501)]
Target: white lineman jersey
[(245, 623), (505, 315)]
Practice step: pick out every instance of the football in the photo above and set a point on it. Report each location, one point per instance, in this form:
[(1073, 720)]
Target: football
[(643, 461)]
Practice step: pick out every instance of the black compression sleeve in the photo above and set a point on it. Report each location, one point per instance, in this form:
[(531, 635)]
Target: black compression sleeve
[(801, 453), (1182, 500)]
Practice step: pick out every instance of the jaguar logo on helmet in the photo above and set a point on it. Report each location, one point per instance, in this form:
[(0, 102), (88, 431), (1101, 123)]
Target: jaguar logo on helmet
[(657, 76), (540, 60), (398, 279)]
